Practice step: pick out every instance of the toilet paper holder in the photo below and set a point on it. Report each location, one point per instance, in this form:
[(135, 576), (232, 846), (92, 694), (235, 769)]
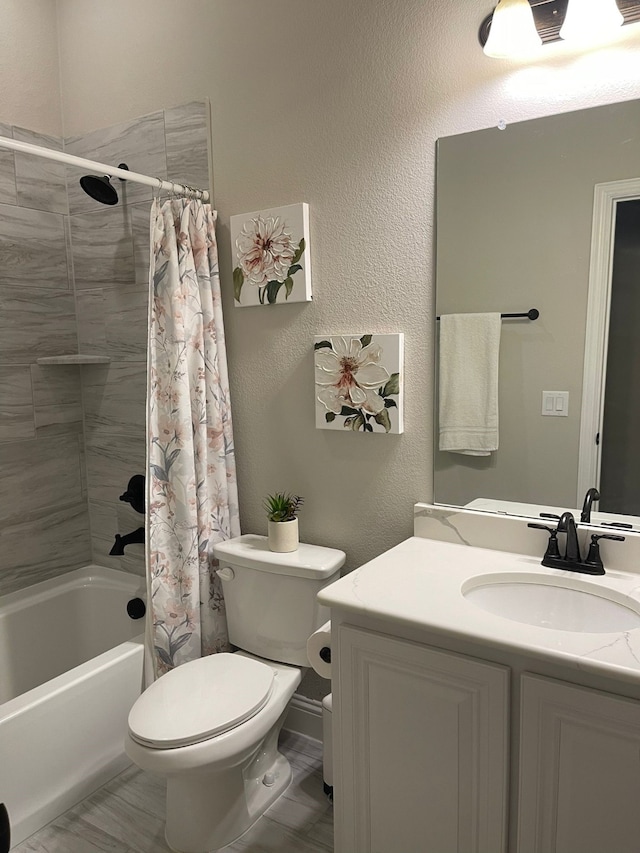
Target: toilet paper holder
[(325, 654)]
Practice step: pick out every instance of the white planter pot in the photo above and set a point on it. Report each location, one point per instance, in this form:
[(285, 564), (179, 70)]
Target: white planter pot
[(283, 536)]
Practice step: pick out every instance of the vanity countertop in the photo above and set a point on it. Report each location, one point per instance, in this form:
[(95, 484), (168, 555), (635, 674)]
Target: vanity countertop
[(420, 584)]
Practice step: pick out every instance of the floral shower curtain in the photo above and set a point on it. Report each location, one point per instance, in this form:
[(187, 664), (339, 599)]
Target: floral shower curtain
[(191, 485)]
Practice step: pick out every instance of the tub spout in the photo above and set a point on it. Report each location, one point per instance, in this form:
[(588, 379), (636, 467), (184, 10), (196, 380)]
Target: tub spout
[(137, 536)]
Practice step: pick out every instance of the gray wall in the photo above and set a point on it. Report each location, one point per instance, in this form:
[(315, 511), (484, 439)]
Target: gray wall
[(339, 105)]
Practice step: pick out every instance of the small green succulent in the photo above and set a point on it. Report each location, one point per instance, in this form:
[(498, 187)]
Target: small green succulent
[(282, 506)]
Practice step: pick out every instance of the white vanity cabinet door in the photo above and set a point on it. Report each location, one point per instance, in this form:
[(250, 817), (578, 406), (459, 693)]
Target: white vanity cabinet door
[(579, 787), (422, 749)]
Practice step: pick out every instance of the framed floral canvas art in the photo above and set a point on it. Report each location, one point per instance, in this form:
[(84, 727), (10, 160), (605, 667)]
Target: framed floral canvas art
[(359, 382), (270, 256)]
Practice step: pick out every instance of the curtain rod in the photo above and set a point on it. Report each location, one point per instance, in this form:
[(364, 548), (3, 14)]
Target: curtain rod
[(531, 314), (102, 168)]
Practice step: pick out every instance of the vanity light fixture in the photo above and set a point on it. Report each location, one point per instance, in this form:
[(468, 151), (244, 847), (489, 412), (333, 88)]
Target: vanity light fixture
[(571, 20), (587, 20), (513, 30)]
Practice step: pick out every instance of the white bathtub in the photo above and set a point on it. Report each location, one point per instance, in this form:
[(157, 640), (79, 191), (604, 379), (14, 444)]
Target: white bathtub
[(70, 670)]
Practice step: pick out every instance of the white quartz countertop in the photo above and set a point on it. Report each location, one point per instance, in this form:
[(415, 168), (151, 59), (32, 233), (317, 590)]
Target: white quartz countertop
[(420, 584)]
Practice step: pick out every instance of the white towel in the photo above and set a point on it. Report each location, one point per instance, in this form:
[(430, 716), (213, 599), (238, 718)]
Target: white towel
[(468, 383)]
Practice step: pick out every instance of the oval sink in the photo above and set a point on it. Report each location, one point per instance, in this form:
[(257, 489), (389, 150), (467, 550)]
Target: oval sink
[(547, 604)]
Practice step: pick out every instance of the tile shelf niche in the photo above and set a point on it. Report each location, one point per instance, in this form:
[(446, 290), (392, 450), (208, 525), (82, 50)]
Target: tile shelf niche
[(75, 358)]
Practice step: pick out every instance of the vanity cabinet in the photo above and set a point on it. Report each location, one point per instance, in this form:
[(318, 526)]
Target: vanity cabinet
[(422, 746), (579, 776)]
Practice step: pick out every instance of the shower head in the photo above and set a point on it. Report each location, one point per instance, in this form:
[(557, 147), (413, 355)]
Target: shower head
[(100, 188)]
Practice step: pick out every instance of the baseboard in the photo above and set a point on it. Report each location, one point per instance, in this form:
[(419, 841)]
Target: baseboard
[(304, 717)]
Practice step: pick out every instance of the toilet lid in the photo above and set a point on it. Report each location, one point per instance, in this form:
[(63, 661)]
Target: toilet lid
[(199, 700)]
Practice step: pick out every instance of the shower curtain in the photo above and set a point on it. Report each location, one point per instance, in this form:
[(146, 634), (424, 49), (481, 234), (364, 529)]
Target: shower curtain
[(191, 484)]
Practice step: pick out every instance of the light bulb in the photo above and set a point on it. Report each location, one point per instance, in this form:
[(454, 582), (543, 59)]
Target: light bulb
[(513, 31), (591, 20)]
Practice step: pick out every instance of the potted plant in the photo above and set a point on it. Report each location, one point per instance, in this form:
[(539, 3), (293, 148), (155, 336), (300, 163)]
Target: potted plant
[(282, 510)]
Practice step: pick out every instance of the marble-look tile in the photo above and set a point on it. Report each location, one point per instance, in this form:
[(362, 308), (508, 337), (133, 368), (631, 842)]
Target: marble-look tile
[(57, 398), (267, 836), (92, 336), (35, 323), (300, 747), (102, 248), (111, 814), (16, 403), (83, 469), (126, 318), (32, 248), (109, 517), (40, 183), (68, 249), (127, 816), (70, 833), (129, 520), (322, 830), (113, 321), (186, 133), (103, 516), (38, 474), (43, 544), (133, 563), (304, 802), (114, 398), (138, 143), (140, 227), (8, 194), (144, 791), (111, 462)]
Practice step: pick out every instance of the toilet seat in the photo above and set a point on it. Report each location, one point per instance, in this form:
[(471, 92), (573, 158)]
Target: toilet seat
[(200, 700)]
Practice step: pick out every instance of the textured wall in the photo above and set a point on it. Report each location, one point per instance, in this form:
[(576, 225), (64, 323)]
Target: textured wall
[(337, 104), (29, 68)]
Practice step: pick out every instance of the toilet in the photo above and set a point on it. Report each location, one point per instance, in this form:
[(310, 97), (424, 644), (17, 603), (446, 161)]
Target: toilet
[(211, 726)]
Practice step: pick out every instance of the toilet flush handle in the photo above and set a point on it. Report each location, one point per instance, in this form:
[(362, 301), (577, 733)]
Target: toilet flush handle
[(225, 573)]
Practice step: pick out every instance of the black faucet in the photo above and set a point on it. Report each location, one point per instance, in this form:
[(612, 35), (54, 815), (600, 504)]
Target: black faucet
[(128, 539), (592, 495), (572, 560), (567, 524)]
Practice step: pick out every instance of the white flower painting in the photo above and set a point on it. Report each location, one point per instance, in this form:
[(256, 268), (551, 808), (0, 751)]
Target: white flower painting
[(359, 382), (270, 256)]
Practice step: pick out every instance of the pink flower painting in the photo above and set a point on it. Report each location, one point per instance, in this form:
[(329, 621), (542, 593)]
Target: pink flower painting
[(270, 251), (358, 382)]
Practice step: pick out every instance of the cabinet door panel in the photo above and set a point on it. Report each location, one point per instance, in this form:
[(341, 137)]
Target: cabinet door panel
[(579, 770), (422, 747)]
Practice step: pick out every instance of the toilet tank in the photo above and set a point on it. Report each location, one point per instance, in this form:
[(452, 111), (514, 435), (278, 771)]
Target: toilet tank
[(270, 598)]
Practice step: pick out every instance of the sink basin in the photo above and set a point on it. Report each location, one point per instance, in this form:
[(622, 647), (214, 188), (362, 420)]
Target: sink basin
[(552, 603)]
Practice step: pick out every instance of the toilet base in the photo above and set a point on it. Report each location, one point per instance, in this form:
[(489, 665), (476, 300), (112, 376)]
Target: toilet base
[(208, 810)]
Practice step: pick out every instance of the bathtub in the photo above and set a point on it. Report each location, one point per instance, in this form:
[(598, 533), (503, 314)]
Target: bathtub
[(70, 670)]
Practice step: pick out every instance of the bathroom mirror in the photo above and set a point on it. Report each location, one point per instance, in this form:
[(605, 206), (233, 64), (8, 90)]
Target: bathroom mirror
[(515, 216)]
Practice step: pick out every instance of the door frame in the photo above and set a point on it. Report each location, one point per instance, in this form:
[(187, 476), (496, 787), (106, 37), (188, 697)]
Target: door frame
[(605, 201)]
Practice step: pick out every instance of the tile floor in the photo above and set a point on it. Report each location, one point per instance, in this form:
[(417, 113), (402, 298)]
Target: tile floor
[(126, 815)]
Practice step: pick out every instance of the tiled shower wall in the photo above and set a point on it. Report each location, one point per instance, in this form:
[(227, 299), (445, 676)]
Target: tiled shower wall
[(110, 250), (47, 249), (44, 522)]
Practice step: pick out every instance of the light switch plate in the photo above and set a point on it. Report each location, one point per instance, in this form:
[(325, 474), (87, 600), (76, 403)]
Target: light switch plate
[(555, 404)]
